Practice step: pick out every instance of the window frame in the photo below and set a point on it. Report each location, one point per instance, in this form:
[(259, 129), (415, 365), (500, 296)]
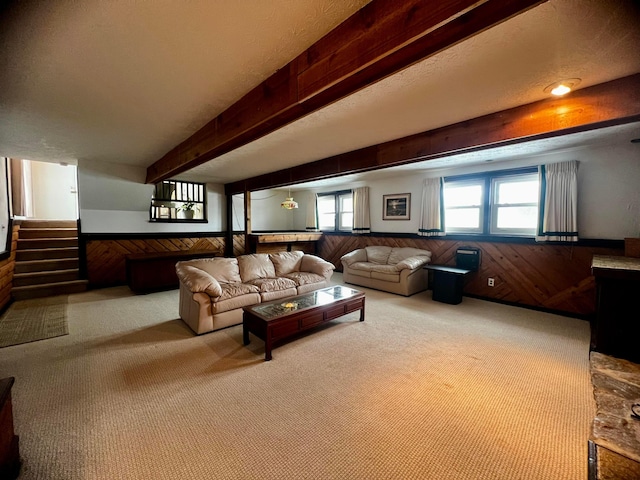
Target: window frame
[(488, 209), (169, 196), (337, 195), (495, 206), (481, 210)]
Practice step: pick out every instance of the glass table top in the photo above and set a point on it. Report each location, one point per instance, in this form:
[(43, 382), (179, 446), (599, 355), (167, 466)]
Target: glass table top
[(284, 306)]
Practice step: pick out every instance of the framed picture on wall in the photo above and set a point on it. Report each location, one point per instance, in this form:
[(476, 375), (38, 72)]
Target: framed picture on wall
[(396, 206)]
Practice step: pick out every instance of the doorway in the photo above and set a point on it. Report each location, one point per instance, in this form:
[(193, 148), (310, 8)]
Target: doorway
[(44, 190)]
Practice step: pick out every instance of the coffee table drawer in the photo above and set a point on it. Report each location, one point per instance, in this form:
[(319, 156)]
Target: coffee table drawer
[(311, 320), (334, 312), (354, 305), (284, 329)]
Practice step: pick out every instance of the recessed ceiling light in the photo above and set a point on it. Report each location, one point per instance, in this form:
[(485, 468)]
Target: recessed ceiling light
[(562, 87)]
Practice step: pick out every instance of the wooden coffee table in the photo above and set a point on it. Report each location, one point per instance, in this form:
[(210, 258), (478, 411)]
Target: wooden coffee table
[(286, 317)]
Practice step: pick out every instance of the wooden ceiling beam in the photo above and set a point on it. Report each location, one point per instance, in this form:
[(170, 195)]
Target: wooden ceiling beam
[(611, 103), (382, 38)]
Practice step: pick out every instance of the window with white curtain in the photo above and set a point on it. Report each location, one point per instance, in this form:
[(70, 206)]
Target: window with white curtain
[(492, 203), (335, 211)]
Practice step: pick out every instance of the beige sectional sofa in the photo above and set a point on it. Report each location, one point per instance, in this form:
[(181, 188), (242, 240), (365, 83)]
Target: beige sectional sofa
[(392, 269), (214, 290)]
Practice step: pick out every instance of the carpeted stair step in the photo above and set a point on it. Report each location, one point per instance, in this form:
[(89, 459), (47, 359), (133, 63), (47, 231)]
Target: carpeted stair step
[(33, 243), (47, 232), (48, 289), (46, 253), (46, 265), (48, 224), (38, 278)]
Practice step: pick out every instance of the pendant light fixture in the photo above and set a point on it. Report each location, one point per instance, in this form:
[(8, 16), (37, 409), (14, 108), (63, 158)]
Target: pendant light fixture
[(289, 203)]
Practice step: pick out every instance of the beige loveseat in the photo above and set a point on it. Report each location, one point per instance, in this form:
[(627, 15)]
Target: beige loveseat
[(214, 290), (392, 269)]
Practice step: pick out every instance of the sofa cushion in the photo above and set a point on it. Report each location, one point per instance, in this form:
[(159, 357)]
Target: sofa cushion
[(222, 269), (276, 294), (286, 262), (235, 302), (387, 277), (400, 253), (304, 278), (361, 269), (230, 290), (272, 284), (386, 269), (378, 254), (256, 265), (411, 263)]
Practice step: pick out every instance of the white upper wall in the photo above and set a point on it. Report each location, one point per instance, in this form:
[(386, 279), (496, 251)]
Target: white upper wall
[(608, 191), (114, 199)]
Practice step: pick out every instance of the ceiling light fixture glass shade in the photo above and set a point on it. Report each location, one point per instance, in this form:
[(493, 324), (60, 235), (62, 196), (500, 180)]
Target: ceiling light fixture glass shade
[(562, 87), (289, 203)]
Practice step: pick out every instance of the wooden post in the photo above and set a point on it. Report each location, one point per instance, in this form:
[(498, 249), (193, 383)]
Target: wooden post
[(247, 221)]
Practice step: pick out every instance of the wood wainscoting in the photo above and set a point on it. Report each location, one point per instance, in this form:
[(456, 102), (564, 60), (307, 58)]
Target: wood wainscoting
[(7, 267), (106, 255), (550, 277)]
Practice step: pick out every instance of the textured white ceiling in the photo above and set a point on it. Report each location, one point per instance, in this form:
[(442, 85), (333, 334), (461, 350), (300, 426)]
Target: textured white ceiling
[(124, 82)]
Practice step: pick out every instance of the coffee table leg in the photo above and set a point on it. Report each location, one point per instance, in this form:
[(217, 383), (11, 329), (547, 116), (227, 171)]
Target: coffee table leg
[(267, 347), (362, 312)]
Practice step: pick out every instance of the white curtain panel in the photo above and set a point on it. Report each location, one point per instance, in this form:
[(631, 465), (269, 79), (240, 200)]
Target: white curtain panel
[(21, 188), (361, 211), (431, 222), (560, 202), (312, 213)]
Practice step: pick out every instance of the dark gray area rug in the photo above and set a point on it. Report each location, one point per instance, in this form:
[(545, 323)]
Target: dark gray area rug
[(36, 319)]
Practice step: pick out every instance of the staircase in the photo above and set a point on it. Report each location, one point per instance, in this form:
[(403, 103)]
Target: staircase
[(47, 260)]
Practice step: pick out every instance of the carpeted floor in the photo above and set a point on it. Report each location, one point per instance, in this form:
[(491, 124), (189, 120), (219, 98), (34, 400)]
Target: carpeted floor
[(32, 320), (420, 390)]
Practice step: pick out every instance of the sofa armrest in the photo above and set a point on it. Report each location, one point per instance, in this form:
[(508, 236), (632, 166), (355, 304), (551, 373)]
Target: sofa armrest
[(412, 263), (359, 255), (198, 280), (317, 265)]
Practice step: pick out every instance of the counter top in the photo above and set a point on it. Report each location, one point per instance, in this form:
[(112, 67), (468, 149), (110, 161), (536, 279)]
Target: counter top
[(611, 266)]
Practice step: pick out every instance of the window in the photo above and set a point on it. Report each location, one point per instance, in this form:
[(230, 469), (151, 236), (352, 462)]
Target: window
[(463, 206), (177, 201), (335, 211), (493, 203), (514, 206)]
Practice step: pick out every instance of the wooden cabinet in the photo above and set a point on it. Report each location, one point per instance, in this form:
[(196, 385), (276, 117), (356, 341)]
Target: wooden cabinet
[(154, 271), (448, 283), (616, 329), (9, 449), (284, 242)]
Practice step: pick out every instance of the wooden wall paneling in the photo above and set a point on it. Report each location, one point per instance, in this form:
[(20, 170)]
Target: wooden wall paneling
[(106, 259), (238, 245), (7, 267)]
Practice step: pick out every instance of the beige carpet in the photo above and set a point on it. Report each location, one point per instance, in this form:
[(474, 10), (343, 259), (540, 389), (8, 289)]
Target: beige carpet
[(31, 320), (420, 390)]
